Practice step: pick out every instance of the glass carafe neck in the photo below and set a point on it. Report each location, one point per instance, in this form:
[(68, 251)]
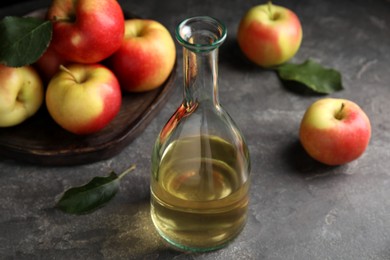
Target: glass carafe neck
[(200, 37)]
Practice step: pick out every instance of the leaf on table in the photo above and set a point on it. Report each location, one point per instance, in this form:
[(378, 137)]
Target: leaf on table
[(92, 195), (310, 76), (23, 40)]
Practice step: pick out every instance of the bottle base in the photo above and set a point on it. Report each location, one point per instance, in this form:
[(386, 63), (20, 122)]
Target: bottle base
[(192, 249)]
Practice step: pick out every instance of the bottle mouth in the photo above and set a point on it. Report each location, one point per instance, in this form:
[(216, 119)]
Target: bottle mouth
[(201, 33)]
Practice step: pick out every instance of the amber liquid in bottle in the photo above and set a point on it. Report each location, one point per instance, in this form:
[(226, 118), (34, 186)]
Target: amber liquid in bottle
[(191, 208)]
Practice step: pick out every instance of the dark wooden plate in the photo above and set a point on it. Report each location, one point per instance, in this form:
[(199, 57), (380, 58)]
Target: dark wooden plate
[(39, 140)]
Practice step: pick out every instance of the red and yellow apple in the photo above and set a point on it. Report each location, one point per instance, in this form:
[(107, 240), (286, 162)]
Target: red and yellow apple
[(146, 57), (86, 31), (83, 98), (269, 35), (21, 94), (335, 131)]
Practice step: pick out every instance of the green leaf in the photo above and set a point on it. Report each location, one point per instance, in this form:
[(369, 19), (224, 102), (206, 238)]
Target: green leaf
[(23, 40), (310, 77), (92, 195)]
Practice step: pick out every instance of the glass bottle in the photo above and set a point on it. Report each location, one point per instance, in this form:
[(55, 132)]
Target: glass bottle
[(200, 161)]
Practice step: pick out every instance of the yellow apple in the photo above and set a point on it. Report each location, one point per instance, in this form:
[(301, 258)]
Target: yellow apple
[(83, 98), (21, 94)]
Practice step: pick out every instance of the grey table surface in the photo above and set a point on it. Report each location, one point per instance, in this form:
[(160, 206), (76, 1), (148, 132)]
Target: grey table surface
[(299, 209)]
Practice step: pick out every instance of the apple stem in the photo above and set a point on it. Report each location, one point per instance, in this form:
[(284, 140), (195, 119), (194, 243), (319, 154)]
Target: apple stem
[(270, 10), (63, 68), (273, 16), (339, 114), (62, 19)]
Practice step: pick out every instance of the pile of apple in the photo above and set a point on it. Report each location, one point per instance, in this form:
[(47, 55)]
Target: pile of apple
[(94, 57)]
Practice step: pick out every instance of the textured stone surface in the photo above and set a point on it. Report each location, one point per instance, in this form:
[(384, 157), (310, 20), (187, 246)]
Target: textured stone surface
[(299, 209)]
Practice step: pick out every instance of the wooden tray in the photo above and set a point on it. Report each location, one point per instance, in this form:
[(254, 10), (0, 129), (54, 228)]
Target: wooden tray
[(40, 140)]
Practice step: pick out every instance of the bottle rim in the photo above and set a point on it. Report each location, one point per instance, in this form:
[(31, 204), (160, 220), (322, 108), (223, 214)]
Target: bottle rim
[(185, 30)]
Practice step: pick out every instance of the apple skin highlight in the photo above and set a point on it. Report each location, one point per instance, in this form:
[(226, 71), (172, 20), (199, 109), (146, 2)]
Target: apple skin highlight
[(333, 137)]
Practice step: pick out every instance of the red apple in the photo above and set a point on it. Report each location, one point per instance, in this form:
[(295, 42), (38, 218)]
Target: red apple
[(146, 57), (335, 131), (49, 63), (21, 94), (269, 34), (83, 98), (86, 31)]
